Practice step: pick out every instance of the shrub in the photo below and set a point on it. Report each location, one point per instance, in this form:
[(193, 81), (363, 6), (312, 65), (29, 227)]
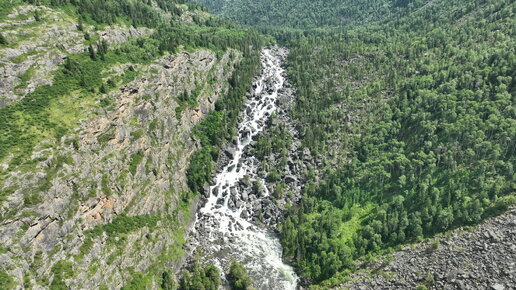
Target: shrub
[(199, 278), (139, 281), (238, 277), (137, 134), (6, 281), (3, 40), (61, 270), (168, 281), (135, 161)]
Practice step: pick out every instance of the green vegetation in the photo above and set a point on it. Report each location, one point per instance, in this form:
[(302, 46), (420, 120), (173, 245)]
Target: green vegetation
[(140, 281), (418, 114), (200, 278), (408, 103), (310, 13), (82, 84), (238, 277), (6, 8), (26, 123), (105, 137), (6, 281), (411, 104), (137, 134), (135, 13), (277, 140), (77, 85), (219, 127), (3, 40), (136, 158), (168, 281), (123, 224), (61, 270)]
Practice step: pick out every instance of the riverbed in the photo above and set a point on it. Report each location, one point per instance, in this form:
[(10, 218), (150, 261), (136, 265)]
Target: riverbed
[(226, 227)]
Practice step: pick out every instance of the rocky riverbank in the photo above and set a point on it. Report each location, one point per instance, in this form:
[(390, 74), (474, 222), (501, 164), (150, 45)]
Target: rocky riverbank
[(264, 208), (483, 258), (238, 214)]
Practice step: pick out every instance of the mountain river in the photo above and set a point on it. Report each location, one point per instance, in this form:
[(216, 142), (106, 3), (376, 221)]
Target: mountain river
[(224, 228)]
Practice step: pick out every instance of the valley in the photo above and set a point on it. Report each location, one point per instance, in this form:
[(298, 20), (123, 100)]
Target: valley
[(212, 144), (239, 214)]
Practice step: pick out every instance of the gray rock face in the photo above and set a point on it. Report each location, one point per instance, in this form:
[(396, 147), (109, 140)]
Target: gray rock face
[(37, 48), (130, 159), (119, 34), (230, 152), (483, 258)]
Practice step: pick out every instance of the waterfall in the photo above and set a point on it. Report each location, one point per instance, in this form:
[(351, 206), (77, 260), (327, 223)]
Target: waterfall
[(224, 229)]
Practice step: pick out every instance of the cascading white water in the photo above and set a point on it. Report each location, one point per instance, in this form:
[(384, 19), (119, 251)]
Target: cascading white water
[(223, 229)]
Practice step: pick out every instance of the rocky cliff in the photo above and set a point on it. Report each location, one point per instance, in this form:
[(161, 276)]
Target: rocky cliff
[(39, 40), (108, 203)]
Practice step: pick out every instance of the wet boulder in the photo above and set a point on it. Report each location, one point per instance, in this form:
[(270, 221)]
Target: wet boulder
[(290, 179), (245, 196), (233, 190), (230, 152)]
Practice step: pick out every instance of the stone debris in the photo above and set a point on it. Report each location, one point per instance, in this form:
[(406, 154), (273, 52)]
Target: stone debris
[(482, 258)]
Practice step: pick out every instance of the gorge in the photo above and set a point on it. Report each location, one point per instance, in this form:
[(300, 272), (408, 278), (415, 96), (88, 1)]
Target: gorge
[(257, 144), (226, 226)]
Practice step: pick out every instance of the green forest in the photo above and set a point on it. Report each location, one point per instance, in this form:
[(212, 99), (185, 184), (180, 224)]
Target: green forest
[(328, 14), (412, 103)]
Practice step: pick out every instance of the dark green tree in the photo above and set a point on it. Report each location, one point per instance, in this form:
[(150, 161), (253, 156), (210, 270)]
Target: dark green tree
[(238, 277), (3, 40)]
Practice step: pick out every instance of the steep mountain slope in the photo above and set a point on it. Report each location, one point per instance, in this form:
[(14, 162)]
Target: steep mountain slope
[(299, 14), (306, 14), (410, 111), (97, 117), (112, 115), (419, 122)]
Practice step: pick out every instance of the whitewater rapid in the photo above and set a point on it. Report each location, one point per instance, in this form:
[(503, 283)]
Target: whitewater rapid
[(224, 228)]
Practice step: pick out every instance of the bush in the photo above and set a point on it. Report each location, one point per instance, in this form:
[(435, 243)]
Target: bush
[(61, 270), (168, 281), (6, 281), (139, 281), (137, 134), (123, 224), (238, 277), (199, 278), (3, 40), (135, 161)]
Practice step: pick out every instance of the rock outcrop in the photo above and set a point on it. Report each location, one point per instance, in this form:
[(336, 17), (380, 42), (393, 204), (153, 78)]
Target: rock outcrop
[(38, 46), (124, 168)]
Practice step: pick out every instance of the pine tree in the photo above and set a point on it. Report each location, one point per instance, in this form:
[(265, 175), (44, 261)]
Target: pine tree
[(238, 277), (93, 55), (3, 40)]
